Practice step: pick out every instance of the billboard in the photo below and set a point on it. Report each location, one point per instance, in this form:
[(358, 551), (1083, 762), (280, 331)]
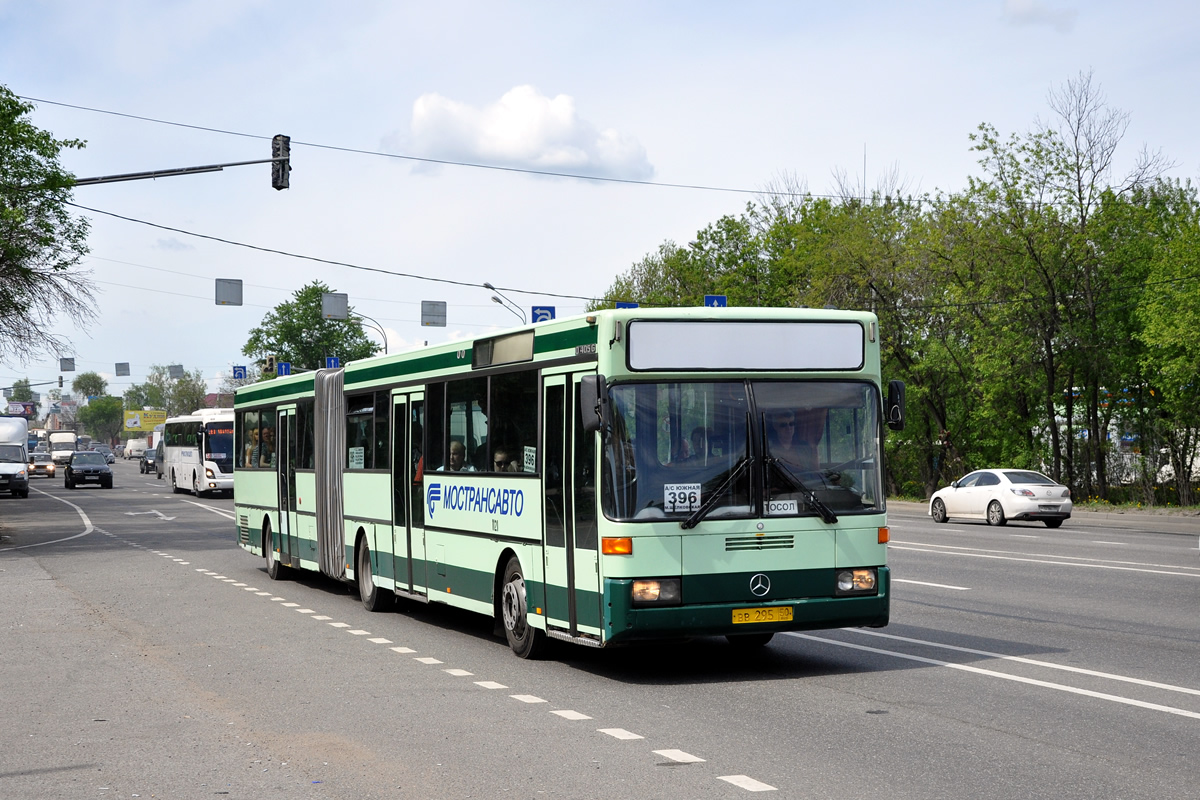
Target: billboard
[(144, 420)]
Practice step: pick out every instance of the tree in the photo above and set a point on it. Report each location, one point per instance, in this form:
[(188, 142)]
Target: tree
[(296, 332), (176, 396), (89, 384), (104, 418), (21, 390), (186, 394), (41, 244)]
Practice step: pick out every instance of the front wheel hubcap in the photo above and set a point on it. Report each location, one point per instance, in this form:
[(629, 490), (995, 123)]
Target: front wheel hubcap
[(513, 606)]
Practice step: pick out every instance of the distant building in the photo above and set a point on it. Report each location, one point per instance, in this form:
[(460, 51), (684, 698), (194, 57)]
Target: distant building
[(218, 400)]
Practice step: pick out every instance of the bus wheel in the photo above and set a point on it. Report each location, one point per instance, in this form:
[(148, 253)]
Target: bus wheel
[(275, 570), (175, 484), (373, 598), (524, 639), (749, 641), (196, 490)]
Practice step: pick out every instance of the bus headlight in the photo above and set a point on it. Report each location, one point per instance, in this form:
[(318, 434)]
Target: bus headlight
[(657, 592), (209, 473), (856, 581)]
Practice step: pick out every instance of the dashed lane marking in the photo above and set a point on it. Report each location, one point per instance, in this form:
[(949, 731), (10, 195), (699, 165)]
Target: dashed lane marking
[(620, 733), (571, 715), (527, 698), (747, 783), (679, 756), (490, 685)]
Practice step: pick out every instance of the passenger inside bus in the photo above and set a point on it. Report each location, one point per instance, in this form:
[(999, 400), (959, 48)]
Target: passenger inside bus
[(458, 458), (794, 443), (501, 461), (248, 459)]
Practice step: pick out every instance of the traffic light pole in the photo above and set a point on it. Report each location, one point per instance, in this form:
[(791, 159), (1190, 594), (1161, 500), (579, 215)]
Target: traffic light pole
[(170, 173), (280, 161)]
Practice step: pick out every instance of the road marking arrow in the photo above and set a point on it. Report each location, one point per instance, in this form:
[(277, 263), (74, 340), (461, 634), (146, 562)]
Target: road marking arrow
[(140, 513)]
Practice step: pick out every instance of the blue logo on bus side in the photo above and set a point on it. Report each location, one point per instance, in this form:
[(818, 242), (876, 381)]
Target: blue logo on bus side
[(480, 499)]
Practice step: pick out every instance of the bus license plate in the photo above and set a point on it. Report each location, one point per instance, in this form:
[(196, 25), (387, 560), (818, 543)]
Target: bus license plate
[(769, 614)]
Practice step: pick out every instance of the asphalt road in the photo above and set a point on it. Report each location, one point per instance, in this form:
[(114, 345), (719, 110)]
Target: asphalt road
[(144, 654)]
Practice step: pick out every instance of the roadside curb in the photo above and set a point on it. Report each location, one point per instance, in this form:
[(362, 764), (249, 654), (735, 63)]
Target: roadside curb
[(1184, 521)]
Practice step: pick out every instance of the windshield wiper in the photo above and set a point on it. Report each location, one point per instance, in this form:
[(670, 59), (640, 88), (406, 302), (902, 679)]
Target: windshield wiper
[(713, 498), (825, 511)]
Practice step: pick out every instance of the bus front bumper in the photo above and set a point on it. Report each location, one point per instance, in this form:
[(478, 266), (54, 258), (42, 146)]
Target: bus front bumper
[(628, 624)]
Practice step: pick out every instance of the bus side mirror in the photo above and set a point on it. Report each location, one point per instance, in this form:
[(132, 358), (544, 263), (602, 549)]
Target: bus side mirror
[(593, 404), (895, 405)]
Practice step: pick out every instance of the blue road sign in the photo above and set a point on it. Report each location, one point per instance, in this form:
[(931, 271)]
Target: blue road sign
[(332, 362), (283, 368), (621, 304), (239, 373), (542, 313), (716, 301)]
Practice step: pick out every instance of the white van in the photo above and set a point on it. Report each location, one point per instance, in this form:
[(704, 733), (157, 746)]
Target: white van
[(134, 448), (14, 455)]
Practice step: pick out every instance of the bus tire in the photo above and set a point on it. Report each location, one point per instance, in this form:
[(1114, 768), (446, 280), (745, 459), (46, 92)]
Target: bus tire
[(275, 570), (196, 490), (175, 484), (525, 640), (373, 598), (749, 641)]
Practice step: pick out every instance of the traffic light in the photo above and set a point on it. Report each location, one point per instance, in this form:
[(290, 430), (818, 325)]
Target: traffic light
[(281, 148), (269, 366), (60, 381)]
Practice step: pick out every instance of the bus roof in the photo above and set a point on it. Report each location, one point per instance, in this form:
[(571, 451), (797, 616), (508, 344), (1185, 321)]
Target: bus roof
[(595, 336)]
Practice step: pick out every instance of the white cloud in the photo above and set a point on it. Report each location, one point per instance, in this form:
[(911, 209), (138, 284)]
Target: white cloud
[(523, 129), (1032, 12)]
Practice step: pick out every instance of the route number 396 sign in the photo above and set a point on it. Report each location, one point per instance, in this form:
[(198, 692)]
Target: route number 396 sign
[(681, 497)]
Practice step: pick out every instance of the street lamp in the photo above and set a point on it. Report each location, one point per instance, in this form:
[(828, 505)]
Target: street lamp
[(509, 304), (376, 326)]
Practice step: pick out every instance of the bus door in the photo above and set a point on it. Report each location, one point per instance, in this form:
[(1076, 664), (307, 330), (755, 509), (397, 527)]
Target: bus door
[(408, 492), (285, 474), (572, 582)]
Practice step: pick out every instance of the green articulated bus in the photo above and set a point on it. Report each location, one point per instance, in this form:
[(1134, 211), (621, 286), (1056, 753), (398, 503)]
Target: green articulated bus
[(627, 475)]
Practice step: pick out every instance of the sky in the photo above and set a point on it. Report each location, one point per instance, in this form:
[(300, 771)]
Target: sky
[(688, 109)]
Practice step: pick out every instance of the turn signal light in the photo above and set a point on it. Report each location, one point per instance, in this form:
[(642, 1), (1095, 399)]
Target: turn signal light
[(885, 536), (616, 546)]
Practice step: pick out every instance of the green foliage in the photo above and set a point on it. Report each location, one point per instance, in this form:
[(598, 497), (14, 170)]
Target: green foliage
[(296, 332), (1036, 316), (176, 396), (41, 244), (89, 384), (103, 418), (21, 390)]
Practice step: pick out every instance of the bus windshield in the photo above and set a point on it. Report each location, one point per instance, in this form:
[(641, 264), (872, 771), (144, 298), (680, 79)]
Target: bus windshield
[(218, 444), (673, 445)]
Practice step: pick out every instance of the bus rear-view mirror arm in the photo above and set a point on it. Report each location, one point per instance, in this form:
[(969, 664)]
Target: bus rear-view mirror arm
[(895, 405), (594, 410)]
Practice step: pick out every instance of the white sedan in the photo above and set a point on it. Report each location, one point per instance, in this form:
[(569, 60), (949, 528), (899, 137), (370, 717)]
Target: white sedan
[(999, 495)]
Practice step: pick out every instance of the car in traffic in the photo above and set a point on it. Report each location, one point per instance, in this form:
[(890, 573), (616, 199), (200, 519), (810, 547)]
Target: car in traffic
[(147, 461), (41, 464), (88, 467), (1000, 495), (159, 459), (106, 450)]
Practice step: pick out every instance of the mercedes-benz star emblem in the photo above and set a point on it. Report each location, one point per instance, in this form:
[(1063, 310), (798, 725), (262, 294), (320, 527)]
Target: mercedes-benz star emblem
[(759, 585)]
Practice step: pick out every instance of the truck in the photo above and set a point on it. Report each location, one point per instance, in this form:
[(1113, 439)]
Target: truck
[(14, 455), (62, 444), (135, 447)]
